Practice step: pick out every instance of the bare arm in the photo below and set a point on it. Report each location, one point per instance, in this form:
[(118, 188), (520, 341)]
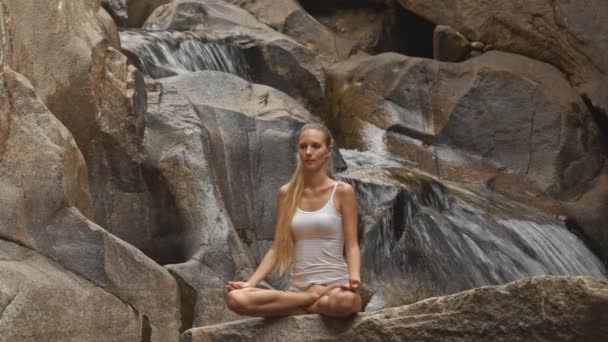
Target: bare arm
[(269, 262), (348, 206)]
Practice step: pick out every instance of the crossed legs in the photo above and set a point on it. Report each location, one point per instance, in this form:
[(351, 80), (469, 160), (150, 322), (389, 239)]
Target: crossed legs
[(328, 300)]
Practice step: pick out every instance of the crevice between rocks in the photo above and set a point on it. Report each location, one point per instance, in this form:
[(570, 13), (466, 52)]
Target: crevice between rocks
[(601, 119)]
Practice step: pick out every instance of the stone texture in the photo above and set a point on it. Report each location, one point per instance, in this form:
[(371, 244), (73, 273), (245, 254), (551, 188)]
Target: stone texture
[(69, 51), (510, 111), (271, 12), (131, 13), (47, 192), (41, 301), (536, 309), (275, 59), (567, 34), (225, 146)]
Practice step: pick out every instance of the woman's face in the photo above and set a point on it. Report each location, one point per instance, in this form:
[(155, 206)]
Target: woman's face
[(313, 149)]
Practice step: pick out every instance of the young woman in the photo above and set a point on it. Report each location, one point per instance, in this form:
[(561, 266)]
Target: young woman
[(316, 224)]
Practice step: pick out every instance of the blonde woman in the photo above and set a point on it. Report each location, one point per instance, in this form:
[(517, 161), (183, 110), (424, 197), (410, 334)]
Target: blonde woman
[(316, 226)]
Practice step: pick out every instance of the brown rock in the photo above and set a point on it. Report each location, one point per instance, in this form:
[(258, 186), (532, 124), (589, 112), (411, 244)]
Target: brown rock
[(510, 111), (535, 309), (271, 12), (449, 45), (44, 176), (41, 301), (131, 13), (567, 34)]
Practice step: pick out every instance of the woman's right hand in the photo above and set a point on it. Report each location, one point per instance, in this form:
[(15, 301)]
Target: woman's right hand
[(235, 285)]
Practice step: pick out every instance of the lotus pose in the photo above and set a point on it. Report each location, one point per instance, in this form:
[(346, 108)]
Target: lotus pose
[(316, 224)]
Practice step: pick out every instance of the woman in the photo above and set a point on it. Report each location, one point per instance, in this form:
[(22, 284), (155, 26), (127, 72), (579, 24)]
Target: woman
[(317, 222)]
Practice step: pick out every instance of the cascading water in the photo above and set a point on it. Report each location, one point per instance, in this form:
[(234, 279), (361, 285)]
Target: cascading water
[(169, 53), (422, 238)]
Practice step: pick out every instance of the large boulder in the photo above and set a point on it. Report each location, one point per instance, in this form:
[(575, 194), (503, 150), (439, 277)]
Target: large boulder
[(225, 146), (510, 111), (271, 12), (42, 301), (569, 35), (275, 59), (536, 309), (72, 59), (45, 193)]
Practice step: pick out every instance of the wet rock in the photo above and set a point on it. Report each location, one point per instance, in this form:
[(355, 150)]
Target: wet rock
[(523, 114), (275, 59), (225, 146), (539, 309), (569, 35), (421, 237), (131, 13), (41, 301), (47, 192), (449, 45)]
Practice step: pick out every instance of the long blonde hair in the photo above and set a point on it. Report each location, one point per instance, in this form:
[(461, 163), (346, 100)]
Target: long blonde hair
[(284, 241)]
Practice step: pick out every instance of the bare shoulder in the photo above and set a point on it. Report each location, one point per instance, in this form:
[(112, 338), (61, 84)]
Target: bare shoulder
[(283, 190), (345, 191)]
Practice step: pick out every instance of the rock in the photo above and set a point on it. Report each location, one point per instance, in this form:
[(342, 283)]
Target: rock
[(476, 45), (131, 13), (275, 59), (104, 112), (41, 301), (566, 34), (47, 192), (449, 45), (536, 309), (307, 30), (271, 12), (524, 114), (225, 146)]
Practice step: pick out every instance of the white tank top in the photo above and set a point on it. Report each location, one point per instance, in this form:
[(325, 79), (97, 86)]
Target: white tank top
[(319, 246)]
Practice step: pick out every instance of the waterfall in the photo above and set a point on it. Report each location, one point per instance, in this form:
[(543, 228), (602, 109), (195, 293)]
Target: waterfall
[(421, 238), (169, 53)]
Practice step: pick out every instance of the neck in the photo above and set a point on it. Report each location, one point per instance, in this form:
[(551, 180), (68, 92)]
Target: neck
[(314, 180)]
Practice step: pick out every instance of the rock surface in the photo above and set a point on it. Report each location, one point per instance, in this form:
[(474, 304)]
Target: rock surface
[(275, 59), (41, 301), (536, 309), (131, 13), (566, 34), (225, 146), (44, 176), (271, 12), (508, 110)]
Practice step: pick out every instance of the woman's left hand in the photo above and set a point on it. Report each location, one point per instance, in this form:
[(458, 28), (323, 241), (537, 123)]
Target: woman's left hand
[(353, 285)]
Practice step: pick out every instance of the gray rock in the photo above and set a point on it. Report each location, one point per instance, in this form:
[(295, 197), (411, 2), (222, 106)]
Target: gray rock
[(569, 35), (277, 60), (41, 301), (538, 309), (511, 111), (225, 146)]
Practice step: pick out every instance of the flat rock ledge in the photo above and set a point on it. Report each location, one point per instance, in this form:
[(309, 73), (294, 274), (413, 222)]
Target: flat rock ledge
[(543, 308)]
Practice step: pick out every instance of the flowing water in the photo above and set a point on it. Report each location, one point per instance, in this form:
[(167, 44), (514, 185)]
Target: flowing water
[(421, 238), (169, 53)]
